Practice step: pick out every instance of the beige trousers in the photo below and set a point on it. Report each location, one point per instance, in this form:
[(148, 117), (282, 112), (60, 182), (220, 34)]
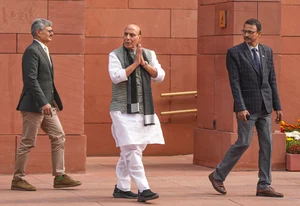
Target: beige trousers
[(32, 122)]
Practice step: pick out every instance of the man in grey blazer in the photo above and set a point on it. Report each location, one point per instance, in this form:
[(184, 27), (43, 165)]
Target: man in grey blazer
[(38, 104), (253, 83)]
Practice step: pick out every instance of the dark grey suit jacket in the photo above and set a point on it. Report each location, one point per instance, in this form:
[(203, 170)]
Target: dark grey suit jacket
[(38, 81), (252, 88)]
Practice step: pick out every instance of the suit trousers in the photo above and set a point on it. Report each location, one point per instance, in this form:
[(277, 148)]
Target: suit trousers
[(129, 166), (32, 122), (263, 124)]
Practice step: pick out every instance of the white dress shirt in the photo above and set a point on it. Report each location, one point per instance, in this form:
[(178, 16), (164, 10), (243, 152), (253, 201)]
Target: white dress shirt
[(118, 74), (45, 49), (257, 50)]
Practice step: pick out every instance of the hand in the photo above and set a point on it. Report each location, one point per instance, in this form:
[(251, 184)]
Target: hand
[(47, 110), (143, 63), (242, 115), (138, 55), (279, 116)]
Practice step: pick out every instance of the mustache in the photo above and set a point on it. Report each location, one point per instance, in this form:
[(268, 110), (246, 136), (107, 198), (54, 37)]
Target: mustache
[(247, 38)]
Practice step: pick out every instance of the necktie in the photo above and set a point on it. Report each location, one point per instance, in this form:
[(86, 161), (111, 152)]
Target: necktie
[(256, 59), (47, 52)]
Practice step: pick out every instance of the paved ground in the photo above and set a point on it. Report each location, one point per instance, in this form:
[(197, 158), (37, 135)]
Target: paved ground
[(178, 182)]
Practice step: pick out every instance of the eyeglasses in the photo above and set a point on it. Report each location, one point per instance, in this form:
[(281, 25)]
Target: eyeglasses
[(50, 31), (248, 31)]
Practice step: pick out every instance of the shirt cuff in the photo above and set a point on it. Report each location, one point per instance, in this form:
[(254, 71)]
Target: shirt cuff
[(160, 76)]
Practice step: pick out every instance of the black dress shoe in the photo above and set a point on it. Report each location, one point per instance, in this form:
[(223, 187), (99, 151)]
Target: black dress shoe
[(218, 185), (268, 192), (124, 194), (147, 195)]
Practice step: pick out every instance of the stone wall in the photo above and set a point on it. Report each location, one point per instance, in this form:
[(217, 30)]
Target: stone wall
[(67, 51), (170, 29), (85, 32)]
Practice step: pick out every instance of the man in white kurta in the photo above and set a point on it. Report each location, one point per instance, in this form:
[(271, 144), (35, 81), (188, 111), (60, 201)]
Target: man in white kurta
[(129, 130)]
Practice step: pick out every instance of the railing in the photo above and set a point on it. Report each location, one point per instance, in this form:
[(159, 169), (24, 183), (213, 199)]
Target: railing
[(179, 94)]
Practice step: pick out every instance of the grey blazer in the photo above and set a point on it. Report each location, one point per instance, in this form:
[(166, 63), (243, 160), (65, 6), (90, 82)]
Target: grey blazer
[(38, 81), (252, 89)]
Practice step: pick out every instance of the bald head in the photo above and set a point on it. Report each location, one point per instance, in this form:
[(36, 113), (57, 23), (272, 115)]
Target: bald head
[(134, 27), (132, 36)]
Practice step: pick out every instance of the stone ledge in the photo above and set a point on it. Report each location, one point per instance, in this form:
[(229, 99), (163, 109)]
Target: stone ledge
[(40, 156), (210, 146)]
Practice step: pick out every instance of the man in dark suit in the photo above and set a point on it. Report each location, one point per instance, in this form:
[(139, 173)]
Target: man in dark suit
[(253, 83), (38, 104)]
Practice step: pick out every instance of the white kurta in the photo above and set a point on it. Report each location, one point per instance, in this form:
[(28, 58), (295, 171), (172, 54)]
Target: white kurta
[(129, 128)]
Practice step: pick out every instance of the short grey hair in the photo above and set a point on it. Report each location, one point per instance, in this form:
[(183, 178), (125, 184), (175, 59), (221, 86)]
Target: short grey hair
[(39, 24)]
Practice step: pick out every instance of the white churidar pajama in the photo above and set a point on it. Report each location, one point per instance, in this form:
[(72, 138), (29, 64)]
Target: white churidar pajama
[(130, 133)]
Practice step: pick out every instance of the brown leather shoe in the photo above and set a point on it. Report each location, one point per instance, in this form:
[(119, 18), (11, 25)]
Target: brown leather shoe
[(268, 192), (65, 181), (217, 184), (22, 185)]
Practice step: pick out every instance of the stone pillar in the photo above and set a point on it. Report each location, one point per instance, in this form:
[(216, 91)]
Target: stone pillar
[(290, 59), (216, 126)]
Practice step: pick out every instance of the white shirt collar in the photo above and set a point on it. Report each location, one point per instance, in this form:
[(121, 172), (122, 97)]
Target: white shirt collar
[(43, 45), (251, 47)]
